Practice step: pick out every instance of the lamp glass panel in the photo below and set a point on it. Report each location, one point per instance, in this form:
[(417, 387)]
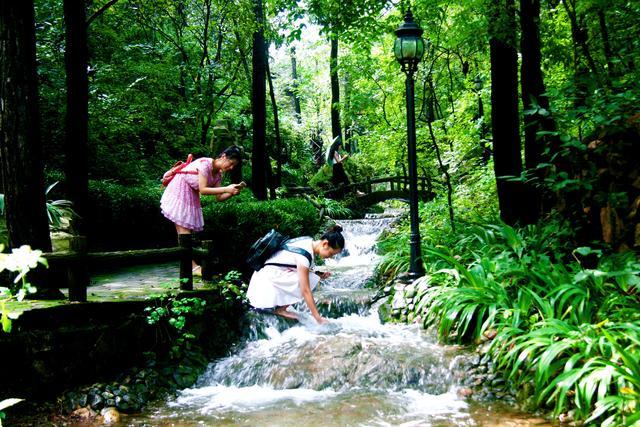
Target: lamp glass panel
[(397, 49), (409, 47), (419, 48)]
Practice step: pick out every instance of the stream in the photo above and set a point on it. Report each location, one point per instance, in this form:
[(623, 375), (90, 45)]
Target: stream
[(355, 371)]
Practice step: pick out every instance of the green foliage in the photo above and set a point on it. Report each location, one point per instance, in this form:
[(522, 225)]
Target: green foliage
[(59, 212), (114, 205), (231, 287), (568, 330), (235, 226), (322, 179), (174, 313)]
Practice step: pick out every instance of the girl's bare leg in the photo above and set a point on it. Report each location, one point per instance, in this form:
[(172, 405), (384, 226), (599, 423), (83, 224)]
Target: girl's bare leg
[(195, 267), (282, 312)]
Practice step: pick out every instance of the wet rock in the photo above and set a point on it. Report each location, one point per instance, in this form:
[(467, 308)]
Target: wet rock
[(566, 417), (410, 291), (110, 415), (464, 392), (82, 400), (339, 363), (398, 302), (82, 415), (490, 334), (96, 401)]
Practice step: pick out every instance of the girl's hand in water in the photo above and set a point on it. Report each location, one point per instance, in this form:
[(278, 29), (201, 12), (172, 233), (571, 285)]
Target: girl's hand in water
[(323, 274), (322, 321)]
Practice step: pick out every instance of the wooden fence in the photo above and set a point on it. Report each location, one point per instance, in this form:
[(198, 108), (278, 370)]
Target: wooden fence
[(76, 262)]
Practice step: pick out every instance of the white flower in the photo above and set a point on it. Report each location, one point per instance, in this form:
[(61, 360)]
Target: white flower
[(21, 260)]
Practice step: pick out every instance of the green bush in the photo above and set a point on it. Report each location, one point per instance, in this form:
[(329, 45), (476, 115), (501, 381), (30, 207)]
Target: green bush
[(233, 227), (125, 217), (566, 321)]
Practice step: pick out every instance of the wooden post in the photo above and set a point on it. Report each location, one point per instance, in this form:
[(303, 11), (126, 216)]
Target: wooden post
[(185, 241), (207, 262), (77, 271)]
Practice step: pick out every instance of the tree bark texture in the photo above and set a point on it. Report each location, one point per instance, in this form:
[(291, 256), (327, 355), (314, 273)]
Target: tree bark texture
[(537, 116), (504, 111), (21, 146), (77, 119), (295, 99), (259, 159), (336, 129), (277, 181)]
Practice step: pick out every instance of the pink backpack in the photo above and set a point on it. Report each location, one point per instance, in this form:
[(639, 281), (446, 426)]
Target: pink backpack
[(176, 169)]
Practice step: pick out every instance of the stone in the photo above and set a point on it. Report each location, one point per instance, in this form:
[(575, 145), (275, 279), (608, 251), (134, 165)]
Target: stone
[(398, 301), (464, 392), (410, 291), (83, 415), (110, 415), (96, 401)]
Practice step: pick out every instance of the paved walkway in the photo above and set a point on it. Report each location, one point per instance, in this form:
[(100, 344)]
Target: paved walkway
[(134, 283)]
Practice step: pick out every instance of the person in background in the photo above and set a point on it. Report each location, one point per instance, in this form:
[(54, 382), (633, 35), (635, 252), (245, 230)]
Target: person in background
[(335, 160), (180, 202), (274, 288)]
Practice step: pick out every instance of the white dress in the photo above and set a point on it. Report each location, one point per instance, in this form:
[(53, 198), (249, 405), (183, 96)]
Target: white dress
[(275, 286)]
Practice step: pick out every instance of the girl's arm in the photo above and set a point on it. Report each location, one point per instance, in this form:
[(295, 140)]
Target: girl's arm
[(305, 290), (221, 193)]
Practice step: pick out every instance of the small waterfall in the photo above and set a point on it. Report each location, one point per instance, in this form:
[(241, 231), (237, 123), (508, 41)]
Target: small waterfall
[(353, 371)]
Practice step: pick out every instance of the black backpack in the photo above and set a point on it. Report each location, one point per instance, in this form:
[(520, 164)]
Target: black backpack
[(266, 246)]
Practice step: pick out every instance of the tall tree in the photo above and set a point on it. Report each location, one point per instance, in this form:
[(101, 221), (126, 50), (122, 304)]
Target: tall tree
[(504, 109), (259, 158), (336, 18), (21, 147), (276, 182), (76, 58), (295, 98), (537, 114), (336, 127)]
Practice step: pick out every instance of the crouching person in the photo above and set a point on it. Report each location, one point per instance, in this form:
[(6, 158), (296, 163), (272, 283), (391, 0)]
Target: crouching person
[(287, 277)]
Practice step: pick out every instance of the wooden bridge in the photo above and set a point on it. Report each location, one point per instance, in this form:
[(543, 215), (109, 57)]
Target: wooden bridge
[(375, 190)]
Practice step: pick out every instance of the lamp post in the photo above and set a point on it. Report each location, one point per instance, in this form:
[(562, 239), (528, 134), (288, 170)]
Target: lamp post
[(408, 49)]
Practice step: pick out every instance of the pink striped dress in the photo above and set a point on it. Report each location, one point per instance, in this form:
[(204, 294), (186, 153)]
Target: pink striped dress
[(180, 202)]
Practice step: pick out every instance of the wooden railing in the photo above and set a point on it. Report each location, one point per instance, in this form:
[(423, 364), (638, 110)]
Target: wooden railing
[(399, 183), (76, 262)]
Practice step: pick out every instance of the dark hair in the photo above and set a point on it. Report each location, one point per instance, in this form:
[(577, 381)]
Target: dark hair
[(232, 153), (334, 236)]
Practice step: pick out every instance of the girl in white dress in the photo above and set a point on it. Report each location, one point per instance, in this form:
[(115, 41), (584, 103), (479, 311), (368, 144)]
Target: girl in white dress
[(276, 287)]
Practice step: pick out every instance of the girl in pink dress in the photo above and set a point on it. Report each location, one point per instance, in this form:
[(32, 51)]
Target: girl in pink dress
[(180, 202)]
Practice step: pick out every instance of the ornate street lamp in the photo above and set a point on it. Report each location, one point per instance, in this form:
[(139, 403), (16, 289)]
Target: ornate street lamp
[(409, 48)]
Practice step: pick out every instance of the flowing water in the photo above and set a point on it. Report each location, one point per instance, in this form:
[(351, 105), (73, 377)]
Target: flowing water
[(353, 371)]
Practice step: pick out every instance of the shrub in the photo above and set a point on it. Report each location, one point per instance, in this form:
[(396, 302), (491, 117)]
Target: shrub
[(129, 217)]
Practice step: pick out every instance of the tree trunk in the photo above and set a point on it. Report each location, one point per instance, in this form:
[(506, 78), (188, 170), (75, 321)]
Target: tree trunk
[(259, 158), (580, 36), (77, 118), (21, 146), (336, 129), (606, 42), (348, 126), (295, 99), (276, 182), (504, 111), (537, 116)]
